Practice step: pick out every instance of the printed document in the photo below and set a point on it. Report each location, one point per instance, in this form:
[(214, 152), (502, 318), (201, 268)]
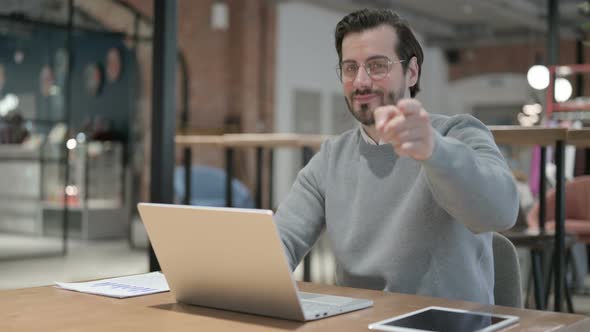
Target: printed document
[(121, 287)]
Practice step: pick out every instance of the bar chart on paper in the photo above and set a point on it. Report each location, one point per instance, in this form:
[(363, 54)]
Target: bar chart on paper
[(121, 287)]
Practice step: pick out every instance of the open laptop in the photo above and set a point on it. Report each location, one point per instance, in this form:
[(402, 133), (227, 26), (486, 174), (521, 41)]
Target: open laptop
[(232, 259)]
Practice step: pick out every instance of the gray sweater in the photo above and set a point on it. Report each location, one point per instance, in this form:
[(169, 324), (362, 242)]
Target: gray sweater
[(401, 225)]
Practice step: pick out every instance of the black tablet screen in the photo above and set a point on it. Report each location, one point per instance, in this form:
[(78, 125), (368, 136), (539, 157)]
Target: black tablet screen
[(446, 321)]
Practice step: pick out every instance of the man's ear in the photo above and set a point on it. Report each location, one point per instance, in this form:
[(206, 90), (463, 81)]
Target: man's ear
[(412, 73)]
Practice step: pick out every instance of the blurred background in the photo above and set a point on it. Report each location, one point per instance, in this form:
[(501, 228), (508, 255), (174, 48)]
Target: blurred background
[(76, 100)]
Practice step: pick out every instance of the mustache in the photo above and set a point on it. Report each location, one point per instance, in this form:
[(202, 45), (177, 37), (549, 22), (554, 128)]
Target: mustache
[(366, 92)]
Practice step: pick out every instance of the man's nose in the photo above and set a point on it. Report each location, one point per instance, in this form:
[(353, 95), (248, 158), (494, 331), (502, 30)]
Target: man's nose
[(362, 79)]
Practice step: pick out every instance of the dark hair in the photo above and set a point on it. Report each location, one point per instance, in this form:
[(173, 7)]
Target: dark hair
[(366, 19)]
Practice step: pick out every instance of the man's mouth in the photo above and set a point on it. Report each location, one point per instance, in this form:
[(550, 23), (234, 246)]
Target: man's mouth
[(365, 98)]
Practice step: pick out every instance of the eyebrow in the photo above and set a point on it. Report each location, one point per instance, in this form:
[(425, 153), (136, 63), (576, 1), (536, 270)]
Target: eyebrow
[(369, 58)]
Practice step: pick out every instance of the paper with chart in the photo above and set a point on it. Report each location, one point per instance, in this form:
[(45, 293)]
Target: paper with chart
[(121, 287)]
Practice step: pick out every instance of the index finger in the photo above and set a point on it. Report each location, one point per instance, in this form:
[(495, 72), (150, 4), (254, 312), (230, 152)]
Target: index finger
[(409, 106), (385, 113)]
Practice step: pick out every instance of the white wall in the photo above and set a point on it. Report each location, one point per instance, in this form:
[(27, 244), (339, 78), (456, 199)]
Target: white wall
[(306, 59), (434, 81)]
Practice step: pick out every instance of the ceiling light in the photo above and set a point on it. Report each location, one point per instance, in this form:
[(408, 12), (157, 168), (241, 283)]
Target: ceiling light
[(71, 190), (563, 89), (71, 144), (532, 109), (19, 56), (8, 103), (538, 77)]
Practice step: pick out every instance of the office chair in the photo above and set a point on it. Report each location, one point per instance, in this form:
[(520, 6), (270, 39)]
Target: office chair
[(577, 209), (208, 188), (507, 284)]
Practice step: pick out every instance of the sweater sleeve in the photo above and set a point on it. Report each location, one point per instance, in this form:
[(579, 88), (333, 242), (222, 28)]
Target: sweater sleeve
[(300, 217), (469, 178)]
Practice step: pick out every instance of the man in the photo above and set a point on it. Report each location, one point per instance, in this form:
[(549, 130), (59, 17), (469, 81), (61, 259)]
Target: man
[(409, 199)]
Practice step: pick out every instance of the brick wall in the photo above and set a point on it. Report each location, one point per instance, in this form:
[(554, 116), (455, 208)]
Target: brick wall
[(514, 58)]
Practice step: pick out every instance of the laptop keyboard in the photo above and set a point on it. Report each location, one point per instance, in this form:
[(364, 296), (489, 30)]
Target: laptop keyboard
[(315, 309)]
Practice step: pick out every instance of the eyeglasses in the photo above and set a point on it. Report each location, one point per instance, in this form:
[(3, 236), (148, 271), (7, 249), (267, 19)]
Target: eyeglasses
[(376, 68)]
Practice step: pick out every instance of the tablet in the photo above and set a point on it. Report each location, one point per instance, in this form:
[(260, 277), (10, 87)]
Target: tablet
[(444, 320)]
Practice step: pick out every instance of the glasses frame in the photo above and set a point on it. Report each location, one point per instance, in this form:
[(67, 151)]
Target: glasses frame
[(390, 64)]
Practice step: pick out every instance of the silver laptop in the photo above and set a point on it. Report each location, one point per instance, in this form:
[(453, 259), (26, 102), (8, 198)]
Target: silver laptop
[(232, 259)]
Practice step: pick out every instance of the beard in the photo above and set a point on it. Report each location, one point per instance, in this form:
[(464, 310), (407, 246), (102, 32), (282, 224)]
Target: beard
[(365, 113)]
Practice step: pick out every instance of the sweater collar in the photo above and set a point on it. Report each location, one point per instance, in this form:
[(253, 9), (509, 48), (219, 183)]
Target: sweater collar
[(368, 138)]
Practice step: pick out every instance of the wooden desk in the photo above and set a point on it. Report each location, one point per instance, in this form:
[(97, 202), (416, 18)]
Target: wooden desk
[(517, 135), (203, 140), (579, 137), (52, 309), (270, 140)]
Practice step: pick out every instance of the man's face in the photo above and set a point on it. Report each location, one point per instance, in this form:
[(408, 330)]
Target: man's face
[(364, 94)]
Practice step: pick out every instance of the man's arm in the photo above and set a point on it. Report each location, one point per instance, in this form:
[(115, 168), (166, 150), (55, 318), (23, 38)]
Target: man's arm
[(301, 217), (465, 170), (469, 177)]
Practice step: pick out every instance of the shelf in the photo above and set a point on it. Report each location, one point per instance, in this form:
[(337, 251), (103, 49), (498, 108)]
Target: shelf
[(43, 160), (85, 224), (42, 121), (99, 209), (92, 204), (566, 70), (570, 107), (562, 71)]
